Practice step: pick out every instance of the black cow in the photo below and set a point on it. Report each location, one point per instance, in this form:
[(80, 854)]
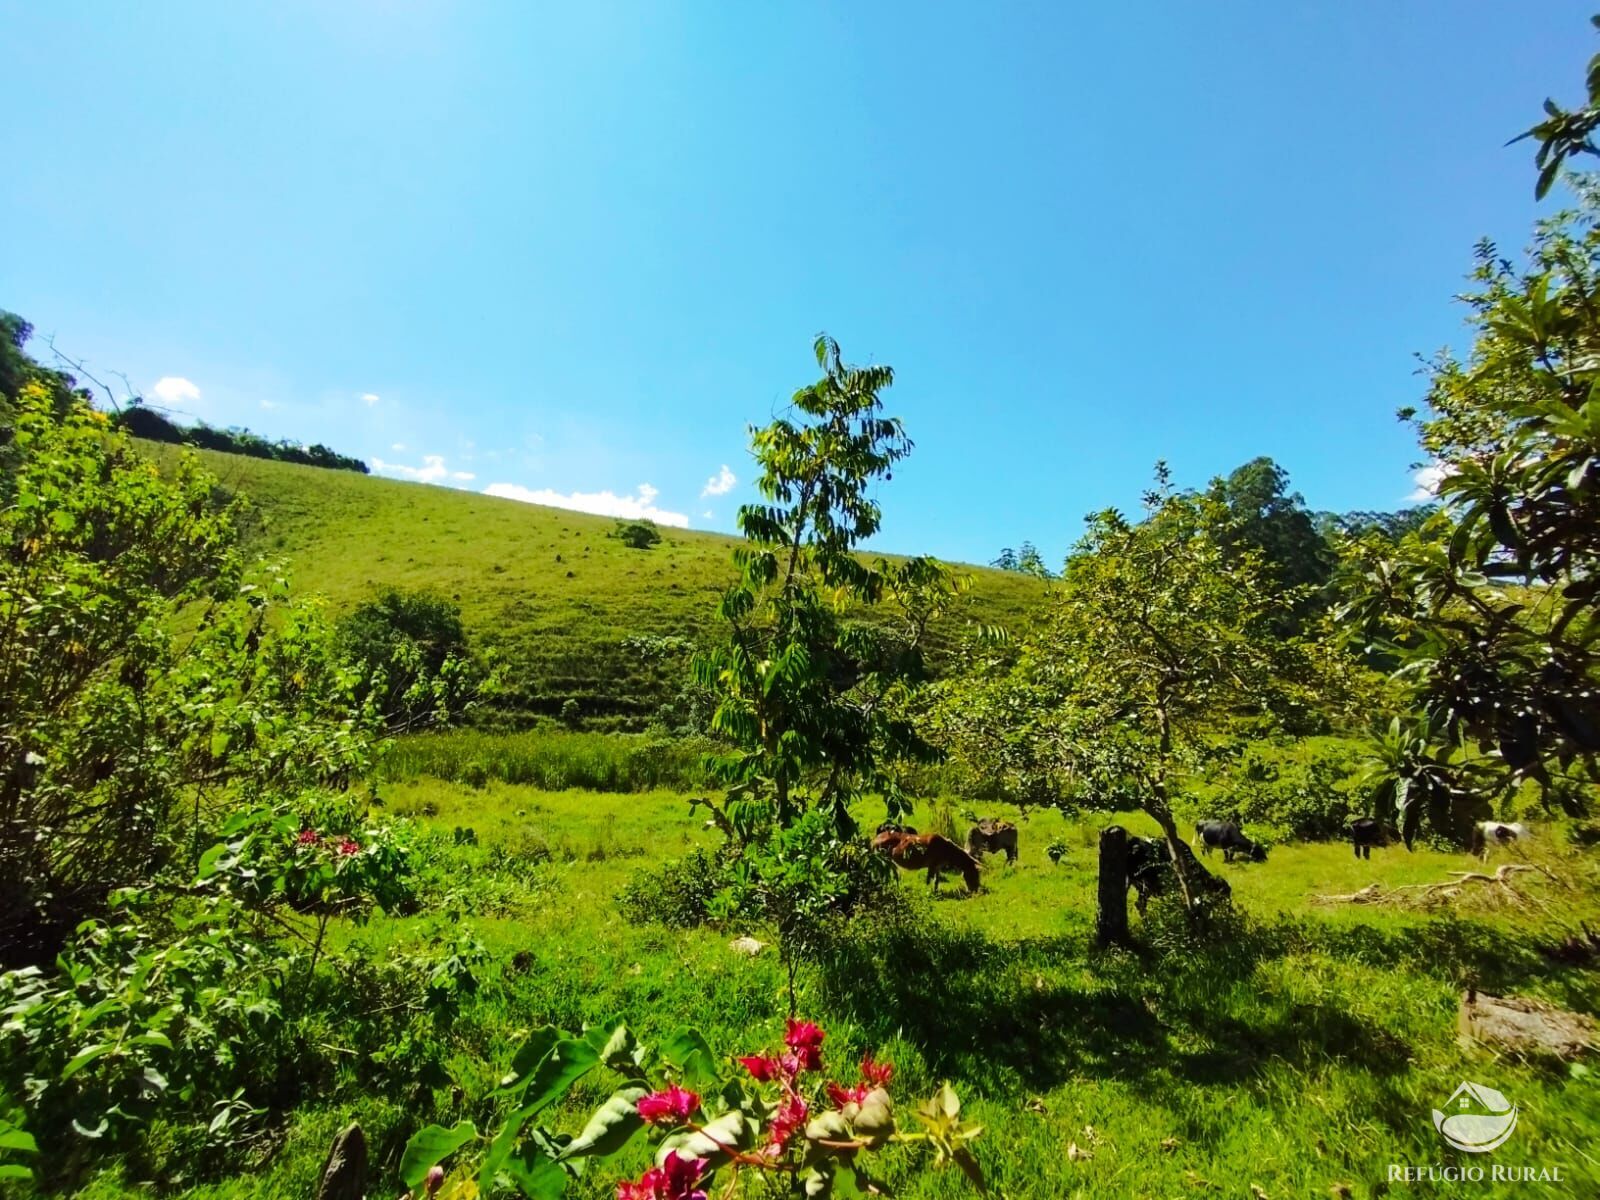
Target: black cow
[(1150, 873), (1231, 840), (1367, 832)]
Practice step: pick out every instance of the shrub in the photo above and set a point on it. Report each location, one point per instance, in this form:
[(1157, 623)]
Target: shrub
[(410, 649), (679, 894), (637, 535)]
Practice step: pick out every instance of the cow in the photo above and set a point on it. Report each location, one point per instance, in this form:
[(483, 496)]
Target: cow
[(916, 851), (1495, 833), (989, 836), (1367, 832), (1150, 873), (1227, 836)]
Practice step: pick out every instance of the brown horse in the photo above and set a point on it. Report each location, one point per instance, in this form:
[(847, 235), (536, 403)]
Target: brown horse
[(914, 851)]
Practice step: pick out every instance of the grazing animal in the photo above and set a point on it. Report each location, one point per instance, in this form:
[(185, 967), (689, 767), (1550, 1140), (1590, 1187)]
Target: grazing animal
[(1150, 872), (916, 851), (1367, 832), (1228, 836), (1495, 833), (989, 836)]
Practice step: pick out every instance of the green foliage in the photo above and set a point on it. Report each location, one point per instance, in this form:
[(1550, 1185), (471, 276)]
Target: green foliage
[(1025, 560), (772, 1116), (411, 651), (553, 759), (141, 421), (815, 706), (1564, 134), (143, 677), (637, 535), (1305, 790), (680, 895), (1257, 512)]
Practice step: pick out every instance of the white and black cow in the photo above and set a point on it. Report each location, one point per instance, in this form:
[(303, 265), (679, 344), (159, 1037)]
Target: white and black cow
[(1226, 836), (1486, 834), (1150, 873)]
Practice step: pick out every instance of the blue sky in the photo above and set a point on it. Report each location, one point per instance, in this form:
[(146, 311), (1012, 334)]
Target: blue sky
[(576, 250)]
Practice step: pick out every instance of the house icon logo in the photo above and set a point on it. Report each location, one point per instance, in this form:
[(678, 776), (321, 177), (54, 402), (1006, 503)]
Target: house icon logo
[(1476, 1119)]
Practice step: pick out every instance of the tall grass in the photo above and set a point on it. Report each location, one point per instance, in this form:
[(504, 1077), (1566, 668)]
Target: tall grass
[(552, 760)]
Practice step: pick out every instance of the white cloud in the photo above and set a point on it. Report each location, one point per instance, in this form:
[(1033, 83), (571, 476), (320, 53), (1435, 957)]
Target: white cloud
[(400, 446), (432, 470), (720, 484), (1427, 477), (370, 398), (269, 404), (605, 504), (174, 389)]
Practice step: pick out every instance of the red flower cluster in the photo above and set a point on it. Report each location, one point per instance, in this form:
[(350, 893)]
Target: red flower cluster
[(789, 1119), (308, 837), (805, 1040), (348, 847), (763, 1068), (673, 1106), (874, 1074), (674, 1179)]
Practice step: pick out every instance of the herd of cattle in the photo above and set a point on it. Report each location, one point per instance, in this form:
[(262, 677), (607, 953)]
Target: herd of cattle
[(1149, 861)]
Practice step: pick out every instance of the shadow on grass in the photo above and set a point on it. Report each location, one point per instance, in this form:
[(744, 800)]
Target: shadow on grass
[(999, 1014)]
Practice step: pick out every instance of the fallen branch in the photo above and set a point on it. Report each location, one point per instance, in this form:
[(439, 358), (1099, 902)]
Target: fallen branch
[(1500, 884)]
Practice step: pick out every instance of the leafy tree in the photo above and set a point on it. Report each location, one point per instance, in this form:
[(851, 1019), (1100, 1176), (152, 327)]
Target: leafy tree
[(637, 535), (144, 683), (1026, 559), (1156, 635), (1390, 526), (411, 650), (1261, 514), (1491, 609), (814, 702)]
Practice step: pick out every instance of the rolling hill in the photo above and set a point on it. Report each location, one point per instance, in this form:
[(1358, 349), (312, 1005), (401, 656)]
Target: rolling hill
[(545, 589)]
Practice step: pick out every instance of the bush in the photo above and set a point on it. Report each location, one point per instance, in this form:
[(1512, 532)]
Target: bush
[(679, 895), (637, 535), (1303, 791), (411, 651)]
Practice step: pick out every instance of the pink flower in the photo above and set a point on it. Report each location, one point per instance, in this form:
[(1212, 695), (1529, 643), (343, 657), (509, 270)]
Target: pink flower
[(875, 1073), (671, 1106), (805, 1039), (349, 848), (674, 1179), (789, 1065), (791, 1115), (763, 1068), (308, 837), (434, 1181), (843, 1095)]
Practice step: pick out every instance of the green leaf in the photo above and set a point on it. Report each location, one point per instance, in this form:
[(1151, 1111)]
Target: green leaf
[(84, 1057), (19, 1140), (538, 1177), (568, 1061), (429, 1146), (689, 1051), (208, 860), (616, 1048), (612, 1124), (729, 1129), (500, 1149), (13, 1171), (529, 1055)]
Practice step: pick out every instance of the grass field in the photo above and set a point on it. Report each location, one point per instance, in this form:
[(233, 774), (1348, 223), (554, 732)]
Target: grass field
[(545, 588), (1302, 1059)]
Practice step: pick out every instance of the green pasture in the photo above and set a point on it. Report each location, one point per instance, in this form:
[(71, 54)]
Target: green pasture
[(1301, 1058)]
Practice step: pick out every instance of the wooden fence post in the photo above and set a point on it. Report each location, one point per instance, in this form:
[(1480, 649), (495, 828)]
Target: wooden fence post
[(1111, 918)]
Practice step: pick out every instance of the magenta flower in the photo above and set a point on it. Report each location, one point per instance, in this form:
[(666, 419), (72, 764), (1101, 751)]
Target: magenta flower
[(763, 1068), (674, 1179), (805, 1039), (672, 1106), (434, 1181), (308, 837), (852, 1095), (875, 1073), (349, 848), (791, 1116)]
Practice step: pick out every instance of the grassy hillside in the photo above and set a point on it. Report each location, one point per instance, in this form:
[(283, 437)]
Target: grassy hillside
[(547, 589)]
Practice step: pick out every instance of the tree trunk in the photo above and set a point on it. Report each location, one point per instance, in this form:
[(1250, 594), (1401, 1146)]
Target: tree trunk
[(1157, 808), (1111, 918), (344, 1175)]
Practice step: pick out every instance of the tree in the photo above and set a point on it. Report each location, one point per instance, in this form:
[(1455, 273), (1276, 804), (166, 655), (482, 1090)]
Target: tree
[(145, 683), (637, 535), (411, 650), (1026, 560), (1157, 634), (1263, 515), (812, 698), (1491, 609)]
